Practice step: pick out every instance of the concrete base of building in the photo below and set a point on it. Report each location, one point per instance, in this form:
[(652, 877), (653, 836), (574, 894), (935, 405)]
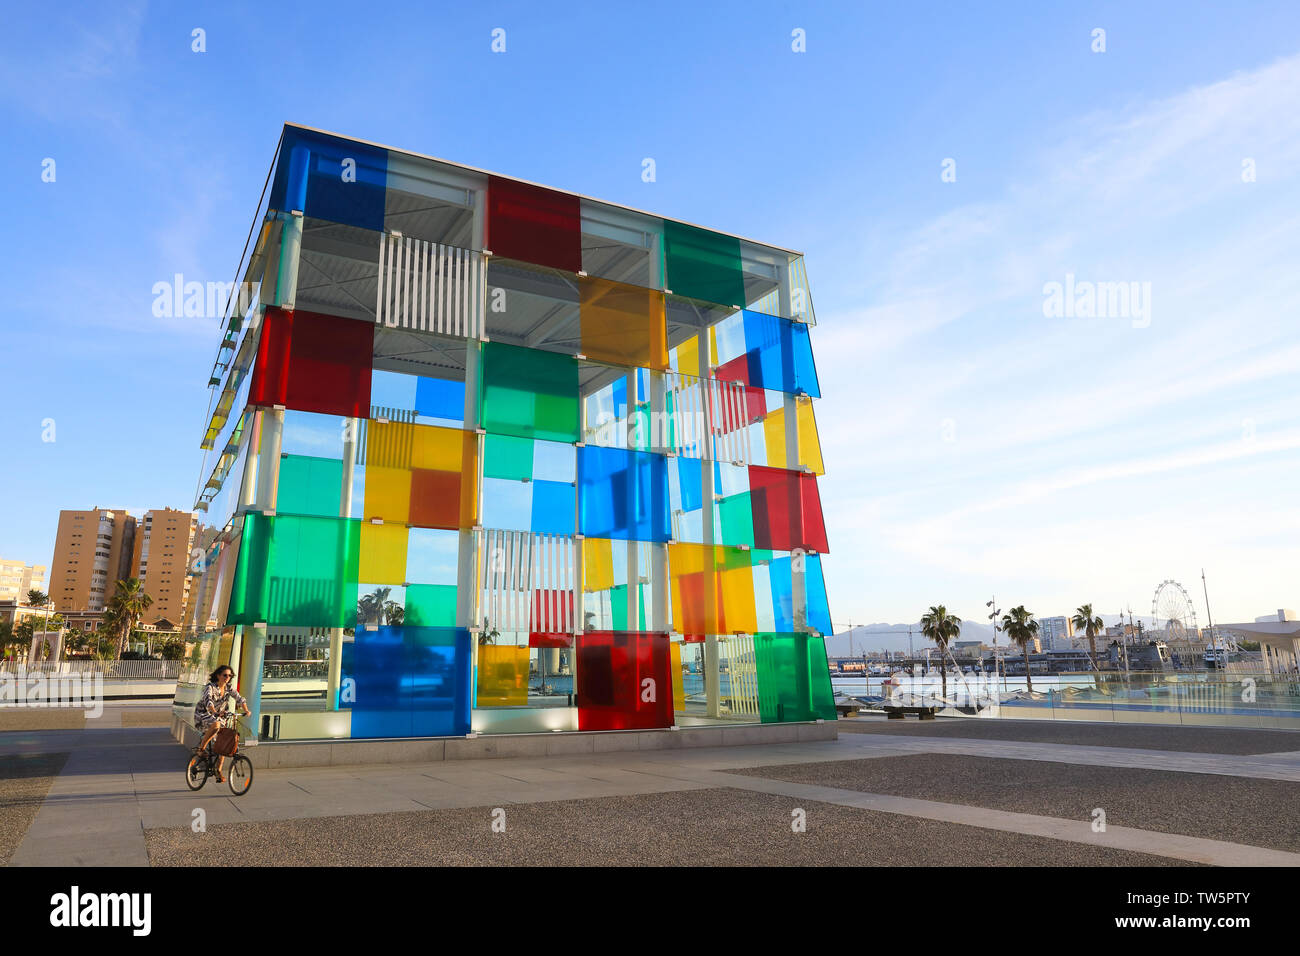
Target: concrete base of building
[(335, 753)]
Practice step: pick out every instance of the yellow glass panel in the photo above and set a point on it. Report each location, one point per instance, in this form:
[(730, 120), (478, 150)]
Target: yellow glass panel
[(810, 449), (388, 493), (383, 553), (685, 559), (388, 444), (713, 349), (738, 614), (688, 356), (502, 676), (597, 564), (679, 691), (440, 449)]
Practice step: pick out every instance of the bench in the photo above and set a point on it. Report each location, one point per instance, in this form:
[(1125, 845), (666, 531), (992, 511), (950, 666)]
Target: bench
[(899, 713)]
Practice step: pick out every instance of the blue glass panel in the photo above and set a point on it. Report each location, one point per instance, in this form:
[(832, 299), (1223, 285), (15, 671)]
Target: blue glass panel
[(819, 615), (552, 507), (819, 612), (409, 681), (623, 494), (507, 504), (378, 666), (440, 398), (437, 680), (330, 178), (779, 354), (782, 593), (691, 483)]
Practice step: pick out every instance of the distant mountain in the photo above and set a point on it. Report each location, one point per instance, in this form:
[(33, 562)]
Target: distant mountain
[(893, 637)]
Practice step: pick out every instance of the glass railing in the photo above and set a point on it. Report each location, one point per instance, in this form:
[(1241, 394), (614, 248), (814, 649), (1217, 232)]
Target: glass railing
[(1208, 699)]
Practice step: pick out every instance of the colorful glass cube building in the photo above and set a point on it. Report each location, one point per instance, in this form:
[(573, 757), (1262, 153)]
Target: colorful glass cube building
[(487, 456)]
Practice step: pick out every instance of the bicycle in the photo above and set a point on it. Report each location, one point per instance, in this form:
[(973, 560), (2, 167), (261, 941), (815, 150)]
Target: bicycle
[(203, 764)]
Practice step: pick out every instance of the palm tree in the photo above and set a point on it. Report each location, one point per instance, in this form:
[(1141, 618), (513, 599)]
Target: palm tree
[(941, 627), (1084, 620), (1020, 627), (394, 613), (127, 607), (373, 605)]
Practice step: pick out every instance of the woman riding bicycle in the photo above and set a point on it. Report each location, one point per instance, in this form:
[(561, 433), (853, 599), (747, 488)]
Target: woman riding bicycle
[(213, 705)]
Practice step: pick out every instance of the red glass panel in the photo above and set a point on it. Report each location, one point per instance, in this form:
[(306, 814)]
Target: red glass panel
[(617, 672), (737, 370), (534, 225), (312, 362), (787, 510), (271, 370), (551, 608)]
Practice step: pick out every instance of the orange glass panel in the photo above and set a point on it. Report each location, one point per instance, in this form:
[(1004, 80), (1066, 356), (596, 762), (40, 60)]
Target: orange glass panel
[(712, 590), (623, 324)]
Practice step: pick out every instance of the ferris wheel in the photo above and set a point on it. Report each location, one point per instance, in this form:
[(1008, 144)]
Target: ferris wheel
[(1172, 610)]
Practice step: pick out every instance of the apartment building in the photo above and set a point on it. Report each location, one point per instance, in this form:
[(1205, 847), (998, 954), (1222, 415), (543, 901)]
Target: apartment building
[(17, 578), (92, 552), (161, 559)]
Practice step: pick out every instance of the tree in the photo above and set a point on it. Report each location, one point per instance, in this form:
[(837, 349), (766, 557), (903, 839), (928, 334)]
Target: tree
[(76, 640), (941, 627), (7, 638), (371, 607), (1020, 627), (1084, 620), (127, 607)]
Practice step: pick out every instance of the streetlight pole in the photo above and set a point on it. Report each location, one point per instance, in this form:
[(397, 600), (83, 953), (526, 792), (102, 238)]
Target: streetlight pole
[(997, 668)]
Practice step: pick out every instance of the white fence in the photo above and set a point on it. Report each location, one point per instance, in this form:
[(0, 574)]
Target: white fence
[(110, 670)]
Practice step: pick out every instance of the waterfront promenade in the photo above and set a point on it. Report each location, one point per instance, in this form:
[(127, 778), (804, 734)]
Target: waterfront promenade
[(886, 793)]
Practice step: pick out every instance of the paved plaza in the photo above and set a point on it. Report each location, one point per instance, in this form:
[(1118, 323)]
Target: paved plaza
[(893, 793)]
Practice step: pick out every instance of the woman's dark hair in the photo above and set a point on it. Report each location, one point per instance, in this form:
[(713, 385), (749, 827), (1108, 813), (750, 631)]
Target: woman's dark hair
[(216, 674)]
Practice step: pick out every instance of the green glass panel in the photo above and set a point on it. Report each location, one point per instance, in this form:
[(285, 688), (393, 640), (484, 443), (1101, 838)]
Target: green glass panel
[(309, 486), (703, 265), (618, 608), (529, 393), (505, 456), (297, 571), (431, 605), (794, 681), (737, 516)]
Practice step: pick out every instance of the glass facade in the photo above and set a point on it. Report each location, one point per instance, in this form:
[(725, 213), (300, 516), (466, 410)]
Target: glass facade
[(488, 456)]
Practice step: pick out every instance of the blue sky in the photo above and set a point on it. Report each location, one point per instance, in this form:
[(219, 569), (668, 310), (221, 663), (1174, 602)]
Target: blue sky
[(973, 444)]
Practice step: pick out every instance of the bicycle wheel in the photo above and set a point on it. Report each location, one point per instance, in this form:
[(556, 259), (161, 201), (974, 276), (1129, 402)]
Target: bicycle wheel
[(196, 772), (239, 774)]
